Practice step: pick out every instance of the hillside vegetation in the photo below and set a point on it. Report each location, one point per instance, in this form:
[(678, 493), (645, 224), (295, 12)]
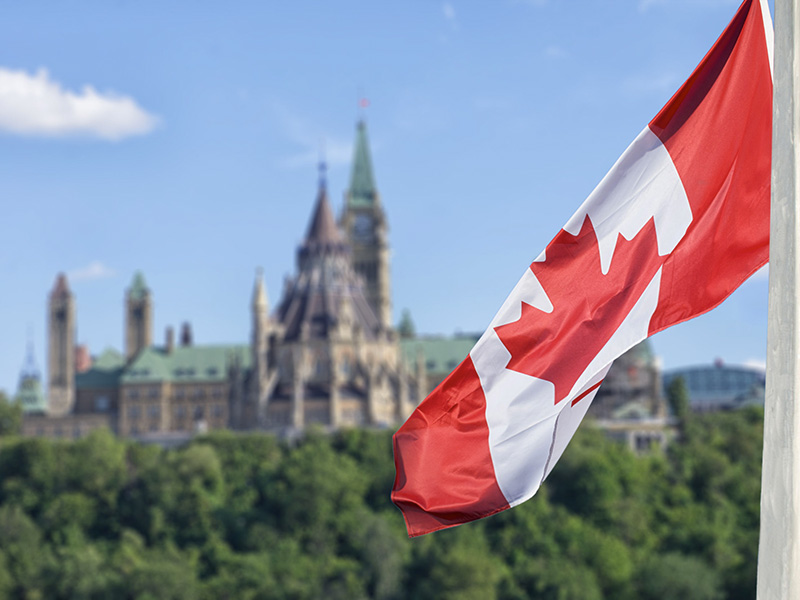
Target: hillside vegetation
[(251, 517)]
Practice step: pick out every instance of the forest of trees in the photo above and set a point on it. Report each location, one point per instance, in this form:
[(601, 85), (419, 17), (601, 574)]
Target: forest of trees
[(252, 517)]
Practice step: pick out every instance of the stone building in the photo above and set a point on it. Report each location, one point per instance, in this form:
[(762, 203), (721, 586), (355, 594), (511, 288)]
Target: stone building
[(327, 355), (630, 405), (720, 386)]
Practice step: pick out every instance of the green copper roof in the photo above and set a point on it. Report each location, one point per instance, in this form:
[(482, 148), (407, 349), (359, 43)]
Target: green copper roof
[(406, 327), (105, 372), (185, 364), (362, 192), (30, 395), (442, 354), (138, 288)]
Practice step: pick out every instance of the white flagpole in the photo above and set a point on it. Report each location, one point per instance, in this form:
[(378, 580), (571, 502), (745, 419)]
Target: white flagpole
[(779, 541)]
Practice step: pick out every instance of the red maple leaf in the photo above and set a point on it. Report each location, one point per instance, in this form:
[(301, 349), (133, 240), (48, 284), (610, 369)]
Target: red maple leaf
[(588, 307)]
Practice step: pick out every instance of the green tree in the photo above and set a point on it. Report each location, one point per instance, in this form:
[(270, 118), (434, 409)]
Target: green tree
[(678, 399), (162, 575), (10, 416), (80, 572), (456, 564), (677, 577), (316, 495), (27, 557)]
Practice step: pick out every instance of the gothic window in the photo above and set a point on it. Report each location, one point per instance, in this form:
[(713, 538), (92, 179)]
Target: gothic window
[(320, 416), (363, 228), (321, 365), (101, 403)]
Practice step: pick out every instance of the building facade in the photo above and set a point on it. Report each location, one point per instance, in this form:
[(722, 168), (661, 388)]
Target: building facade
[(720, 386), (327, 355)]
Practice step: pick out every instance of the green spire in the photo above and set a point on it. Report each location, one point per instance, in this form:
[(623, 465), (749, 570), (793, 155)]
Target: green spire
[(30, 395), (362, 190), (406, 327), (29, 392), (138, 288)]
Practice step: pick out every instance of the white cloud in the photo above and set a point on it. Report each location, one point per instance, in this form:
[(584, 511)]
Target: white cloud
[(311, 144), (36, 105), (449, 11), (94, 270)]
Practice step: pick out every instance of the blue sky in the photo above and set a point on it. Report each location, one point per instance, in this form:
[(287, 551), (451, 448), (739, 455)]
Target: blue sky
[(181, 138)]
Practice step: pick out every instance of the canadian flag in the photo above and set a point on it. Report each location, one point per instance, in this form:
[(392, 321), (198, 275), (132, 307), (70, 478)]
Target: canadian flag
[(680, 221)]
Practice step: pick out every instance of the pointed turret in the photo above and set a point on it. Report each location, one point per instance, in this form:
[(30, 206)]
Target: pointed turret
[(260, 299), (138, 317), (61, 287), (138, 289), (323, 238), (322, 229), (311, 303), (364, 223), (362, 192), (29, 392), (259, 346)]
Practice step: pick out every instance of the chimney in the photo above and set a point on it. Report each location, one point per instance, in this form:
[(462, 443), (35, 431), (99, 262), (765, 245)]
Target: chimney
[(170, 339), (186, 334), (83, 360)]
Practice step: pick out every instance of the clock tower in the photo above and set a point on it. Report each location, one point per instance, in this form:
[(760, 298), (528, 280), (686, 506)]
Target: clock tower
[(364, 224)]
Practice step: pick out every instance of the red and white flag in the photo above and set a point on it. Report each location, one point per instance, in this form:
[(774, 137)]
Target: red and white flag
[(680, 221)]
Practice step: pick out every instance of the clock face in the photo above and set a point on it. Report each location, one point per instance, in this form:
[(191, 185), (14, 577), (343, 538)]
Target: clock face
[(363, 228)]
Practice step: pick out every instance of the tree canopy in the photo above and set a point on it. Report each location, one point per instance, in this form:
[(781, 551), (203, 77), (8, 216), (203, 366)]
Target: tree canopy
[(250, 516)]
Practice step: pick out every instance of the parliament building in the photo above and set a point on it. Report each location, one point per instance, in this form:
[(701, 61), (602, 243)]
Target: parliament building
[(326, 355)]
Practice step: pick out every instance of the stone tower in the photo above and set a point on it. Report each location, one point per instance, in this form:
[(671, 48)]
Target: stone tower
[(138, 317), (364, 223), (61, 348), (336, 364)]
